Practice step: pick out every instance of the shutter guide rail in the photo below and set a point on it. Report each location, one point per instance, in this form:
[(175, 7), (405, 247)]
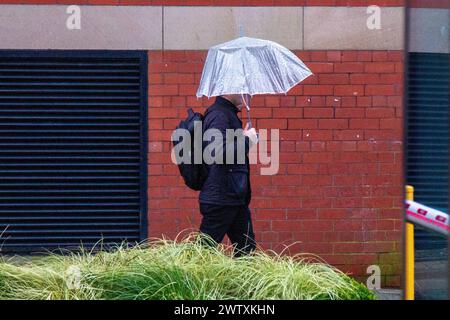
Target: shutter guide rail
[(427, 136)]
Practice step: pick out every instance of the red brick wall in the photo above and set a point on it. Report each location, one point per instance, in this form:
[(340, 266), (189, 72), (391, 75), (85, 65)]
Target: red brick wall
[(339, 190)]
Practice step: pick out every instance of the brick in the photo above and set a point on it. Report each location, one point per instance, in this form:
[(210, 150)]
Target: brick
[(163, 113), (163, 90), (187, 89), (391, 123), (350, 67), (155, 101), (317, 157), (379, 67), (347, 247), (348, 225), (347, 202), (312, 225), (190, 67), (196, 56), (302, 124), (364, 101), (348, 135), (333, 101), (347, 180), (177, 102), (317, 248), (261, 112), (348, 157), (364, 123), (302, 169), (380, 113), (348, 101), (170, 124), (318, 55), (290, 135), (349, 56), (291, 180), (155, 124), (288, 113), (323, 135), (337, 78), (319, 180), (155, 78), (380, 89), (379, 101), (318, 112), (272, 123), (333, 124), (272, 101), (290, 157), (379, 56), (286, 203), (321, 67), (318, 146), (349, 90), (333, 55), (395, 56), (301, 146), (391, 78), (365, 78), (318, 90), (364, 56), (162, 67), (175, 78), (349, 113), (287, 101), (317, 101)]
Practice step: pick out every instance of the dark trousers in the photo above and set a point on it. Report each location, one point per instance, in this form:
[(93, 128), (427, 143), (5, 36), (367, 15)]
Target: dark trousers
[(234, 221)]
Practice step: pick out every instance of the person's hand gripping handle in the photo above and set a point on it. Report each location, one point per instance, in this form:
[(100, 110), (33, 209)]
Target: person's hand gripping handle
[(251, 134)]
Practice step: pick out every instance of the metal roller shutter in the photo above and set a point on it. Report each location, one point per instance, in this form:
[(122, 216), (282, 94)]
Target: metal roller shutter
[(72, 148), (427, 131)]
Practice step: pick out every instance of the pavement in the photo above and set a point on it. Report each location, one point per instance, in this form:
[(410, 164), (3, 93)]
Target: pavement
[(389, 294), (431, 275)]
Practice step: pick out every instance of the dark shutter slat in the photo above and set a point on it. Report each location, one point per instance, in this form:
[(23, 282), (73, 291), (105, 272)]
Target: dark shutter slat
[(71, 151)]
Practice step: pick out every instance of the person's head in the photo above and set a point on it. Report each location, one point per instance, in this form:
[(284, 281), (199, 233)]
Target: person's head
[(237, 99)]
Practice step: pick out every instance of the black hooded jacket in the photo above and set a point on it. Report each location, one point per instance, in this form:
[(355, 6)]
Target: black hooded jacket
[(226, 184)]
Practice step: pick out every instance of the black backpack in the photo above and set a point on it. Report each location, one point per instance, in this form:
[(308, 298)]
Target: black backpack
[(194, 175)]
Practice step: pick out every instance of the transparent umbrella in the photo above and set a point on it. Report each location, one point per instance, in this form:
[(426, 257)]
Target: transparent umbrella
[(250, 66)]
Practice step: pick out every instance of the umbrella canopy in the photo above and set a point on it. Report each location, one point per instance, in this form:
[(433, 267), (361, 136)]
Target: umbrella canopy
[(250, 66)]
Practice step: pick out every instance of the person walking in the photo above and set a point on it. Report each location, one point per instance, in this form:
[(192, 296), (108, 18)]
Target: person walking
[(226, 193)]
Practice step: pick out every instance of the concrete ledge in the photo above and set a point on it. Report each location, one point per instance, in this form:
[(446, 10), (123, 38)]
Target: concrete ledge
[(198, 28), (429, 30), (342, 28), (102, 27)]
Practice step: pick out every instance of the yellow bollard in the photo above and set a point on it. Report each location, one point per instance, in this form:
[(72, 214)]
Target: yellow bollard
[(409, 252)]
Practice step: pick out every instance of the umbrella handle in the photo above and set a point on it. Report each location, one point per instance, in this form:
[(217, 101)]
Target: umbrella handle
[(247, 107), (249, 122)]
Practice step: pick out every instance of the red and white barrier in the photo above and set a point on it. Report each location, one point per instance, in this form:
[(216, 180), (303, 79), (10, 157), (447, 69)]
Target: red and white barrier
[(427, 217)]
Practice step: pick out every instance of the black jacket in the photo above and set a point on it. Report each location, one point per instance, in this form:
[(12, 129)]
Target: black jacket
[(226, 184)]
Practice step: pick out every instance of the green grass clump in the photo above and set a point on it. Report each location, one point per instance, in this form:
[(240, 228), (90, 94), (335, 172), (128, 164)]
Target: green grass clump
[(164, 269)]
